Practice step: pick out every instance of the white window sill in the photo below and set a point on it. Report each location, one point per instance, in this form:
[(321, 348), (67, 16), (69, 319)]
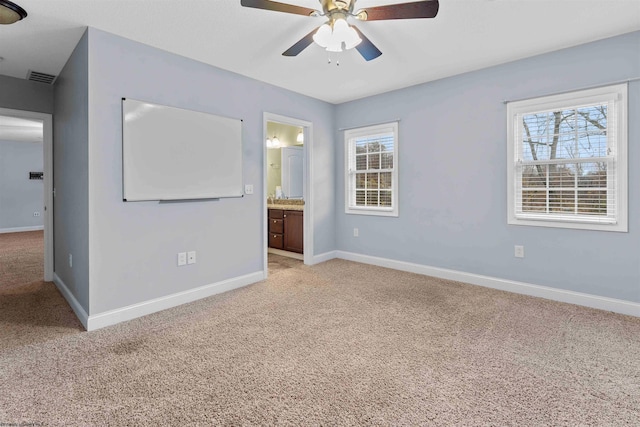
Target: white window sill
[(619, 227)]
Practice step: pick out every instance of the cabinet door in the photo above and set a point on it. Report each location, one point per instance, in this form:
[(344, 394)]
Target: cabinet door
[(293, 231)]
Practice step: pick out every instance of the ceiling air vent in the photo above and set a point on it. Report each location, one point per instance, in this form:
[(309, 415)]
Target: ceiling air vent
[(36, 76)]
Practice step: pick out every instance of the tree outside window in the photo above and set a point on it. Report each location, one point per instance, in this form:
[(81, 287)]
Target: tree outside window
[(569, 160)]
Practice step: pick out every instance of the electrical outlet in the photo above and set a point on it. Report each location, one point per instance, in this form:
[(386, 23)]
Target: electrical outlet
[(519, 251), (182, 258), (36, 214), (248, 189), (70, 260), (356, 233), (191, 257)]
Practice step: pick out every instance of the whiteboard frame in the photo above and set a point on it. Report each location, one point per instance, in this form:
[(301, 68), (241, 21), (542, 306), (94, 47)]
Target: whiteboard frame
[(135, 191)]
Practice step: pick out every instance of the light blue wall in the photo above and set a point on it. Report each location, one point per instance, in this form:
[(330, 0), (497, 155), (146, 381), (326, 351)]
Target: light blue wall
[(452, 176), (70, 176), (133, 246), (453, 211), (20, 196), (21, 94)]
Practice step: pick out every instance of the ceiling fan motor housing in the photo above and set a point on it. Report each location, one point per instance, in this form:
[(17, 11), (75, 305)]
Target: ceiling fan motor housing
[(329, 6)]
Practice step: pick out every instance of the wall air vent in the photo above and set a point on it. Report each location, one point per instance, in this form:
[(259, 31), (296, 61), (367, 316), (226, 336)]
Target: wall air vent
[(36, 76)]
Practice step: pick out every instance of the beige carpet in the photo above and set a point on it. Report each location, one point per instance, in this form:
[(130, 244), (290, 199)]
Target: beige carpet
[(31, 310), (278, 263), (339, 343), (21, 258)]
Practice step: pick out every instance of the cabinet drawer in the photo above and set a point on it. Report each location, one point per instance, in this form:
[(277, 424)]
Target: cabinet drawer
[(276, 241), (276, 213), (276, 225)]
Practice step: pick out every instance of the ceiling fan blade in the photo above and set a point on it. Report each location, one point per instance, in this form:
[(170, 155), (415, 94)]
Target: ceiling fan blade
[(279, 7), (417, 9), (301, 45), (367, 49)]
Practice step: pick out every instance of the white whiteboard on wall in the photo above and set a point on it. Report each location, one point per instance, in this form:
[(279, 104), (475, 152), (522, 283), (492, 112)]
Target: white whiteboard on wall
[(175, 154)]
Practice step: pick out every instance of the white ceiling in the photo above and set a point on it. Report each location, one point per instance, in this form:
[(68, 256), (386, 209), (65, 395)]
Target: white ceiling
[(466, 35)]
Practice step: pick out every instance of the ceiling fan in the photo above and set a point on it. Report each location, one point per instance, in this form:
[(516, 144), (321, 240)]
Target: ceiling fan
[(336, 34)]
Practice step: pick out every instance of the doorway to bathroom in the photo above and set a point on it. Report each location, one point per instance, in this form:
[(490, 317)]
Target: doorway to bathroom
[(287, 213)]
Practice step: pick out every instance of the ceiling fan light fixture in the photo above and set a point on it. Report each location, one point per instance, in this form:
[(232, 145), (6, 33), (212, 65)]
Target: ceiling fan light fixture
[(352, 39), (322, 37), (340, 29), (335, 46), (334, 35), (11, 12)]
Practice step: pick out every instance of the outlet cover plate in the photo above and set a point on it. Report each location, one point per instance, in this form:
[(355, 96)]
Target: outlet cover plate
[(182, 259)]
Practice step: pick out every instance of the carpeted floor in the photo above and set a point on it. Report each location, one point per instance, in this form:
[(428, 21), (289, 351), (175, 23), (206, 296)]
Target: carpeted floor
[(31, 310), (21, 258), (278, 263), (338, 343)]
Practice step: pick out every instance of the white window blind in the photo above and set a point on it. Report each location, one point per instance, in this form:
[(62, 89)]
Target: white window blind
[(569, 159), (371, 172)]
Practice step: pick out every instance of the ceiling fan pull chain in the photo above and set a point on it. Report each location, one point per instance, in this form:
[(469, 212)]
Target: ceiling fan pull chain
[(337, 58)]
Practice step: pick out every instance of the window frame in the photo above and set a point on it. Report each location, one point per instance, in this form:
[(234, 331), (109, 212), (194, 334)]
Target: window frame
[(350, 135), (617, 94)]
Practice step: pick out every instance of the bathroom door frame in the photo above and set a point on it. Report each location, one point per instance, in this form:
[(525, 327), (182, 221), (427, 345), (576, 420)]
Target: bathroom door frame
[(307, 147), (47, 157)]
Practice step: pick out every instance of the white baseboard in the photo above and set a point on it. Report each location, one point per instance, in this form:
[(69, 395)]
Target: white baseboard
[(71, 299), (133, 311), (317, 259), (571, 297), (148, 307), (21, 229)]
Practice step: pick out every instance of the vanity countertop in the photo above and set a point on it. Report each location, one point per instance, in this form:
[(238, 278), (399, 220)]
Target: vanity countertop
[(286, 204)]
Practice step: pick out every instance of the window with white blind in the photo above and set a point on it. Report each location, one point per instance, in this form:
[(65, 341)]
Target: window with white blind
[(567, 160), (372, 170)]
